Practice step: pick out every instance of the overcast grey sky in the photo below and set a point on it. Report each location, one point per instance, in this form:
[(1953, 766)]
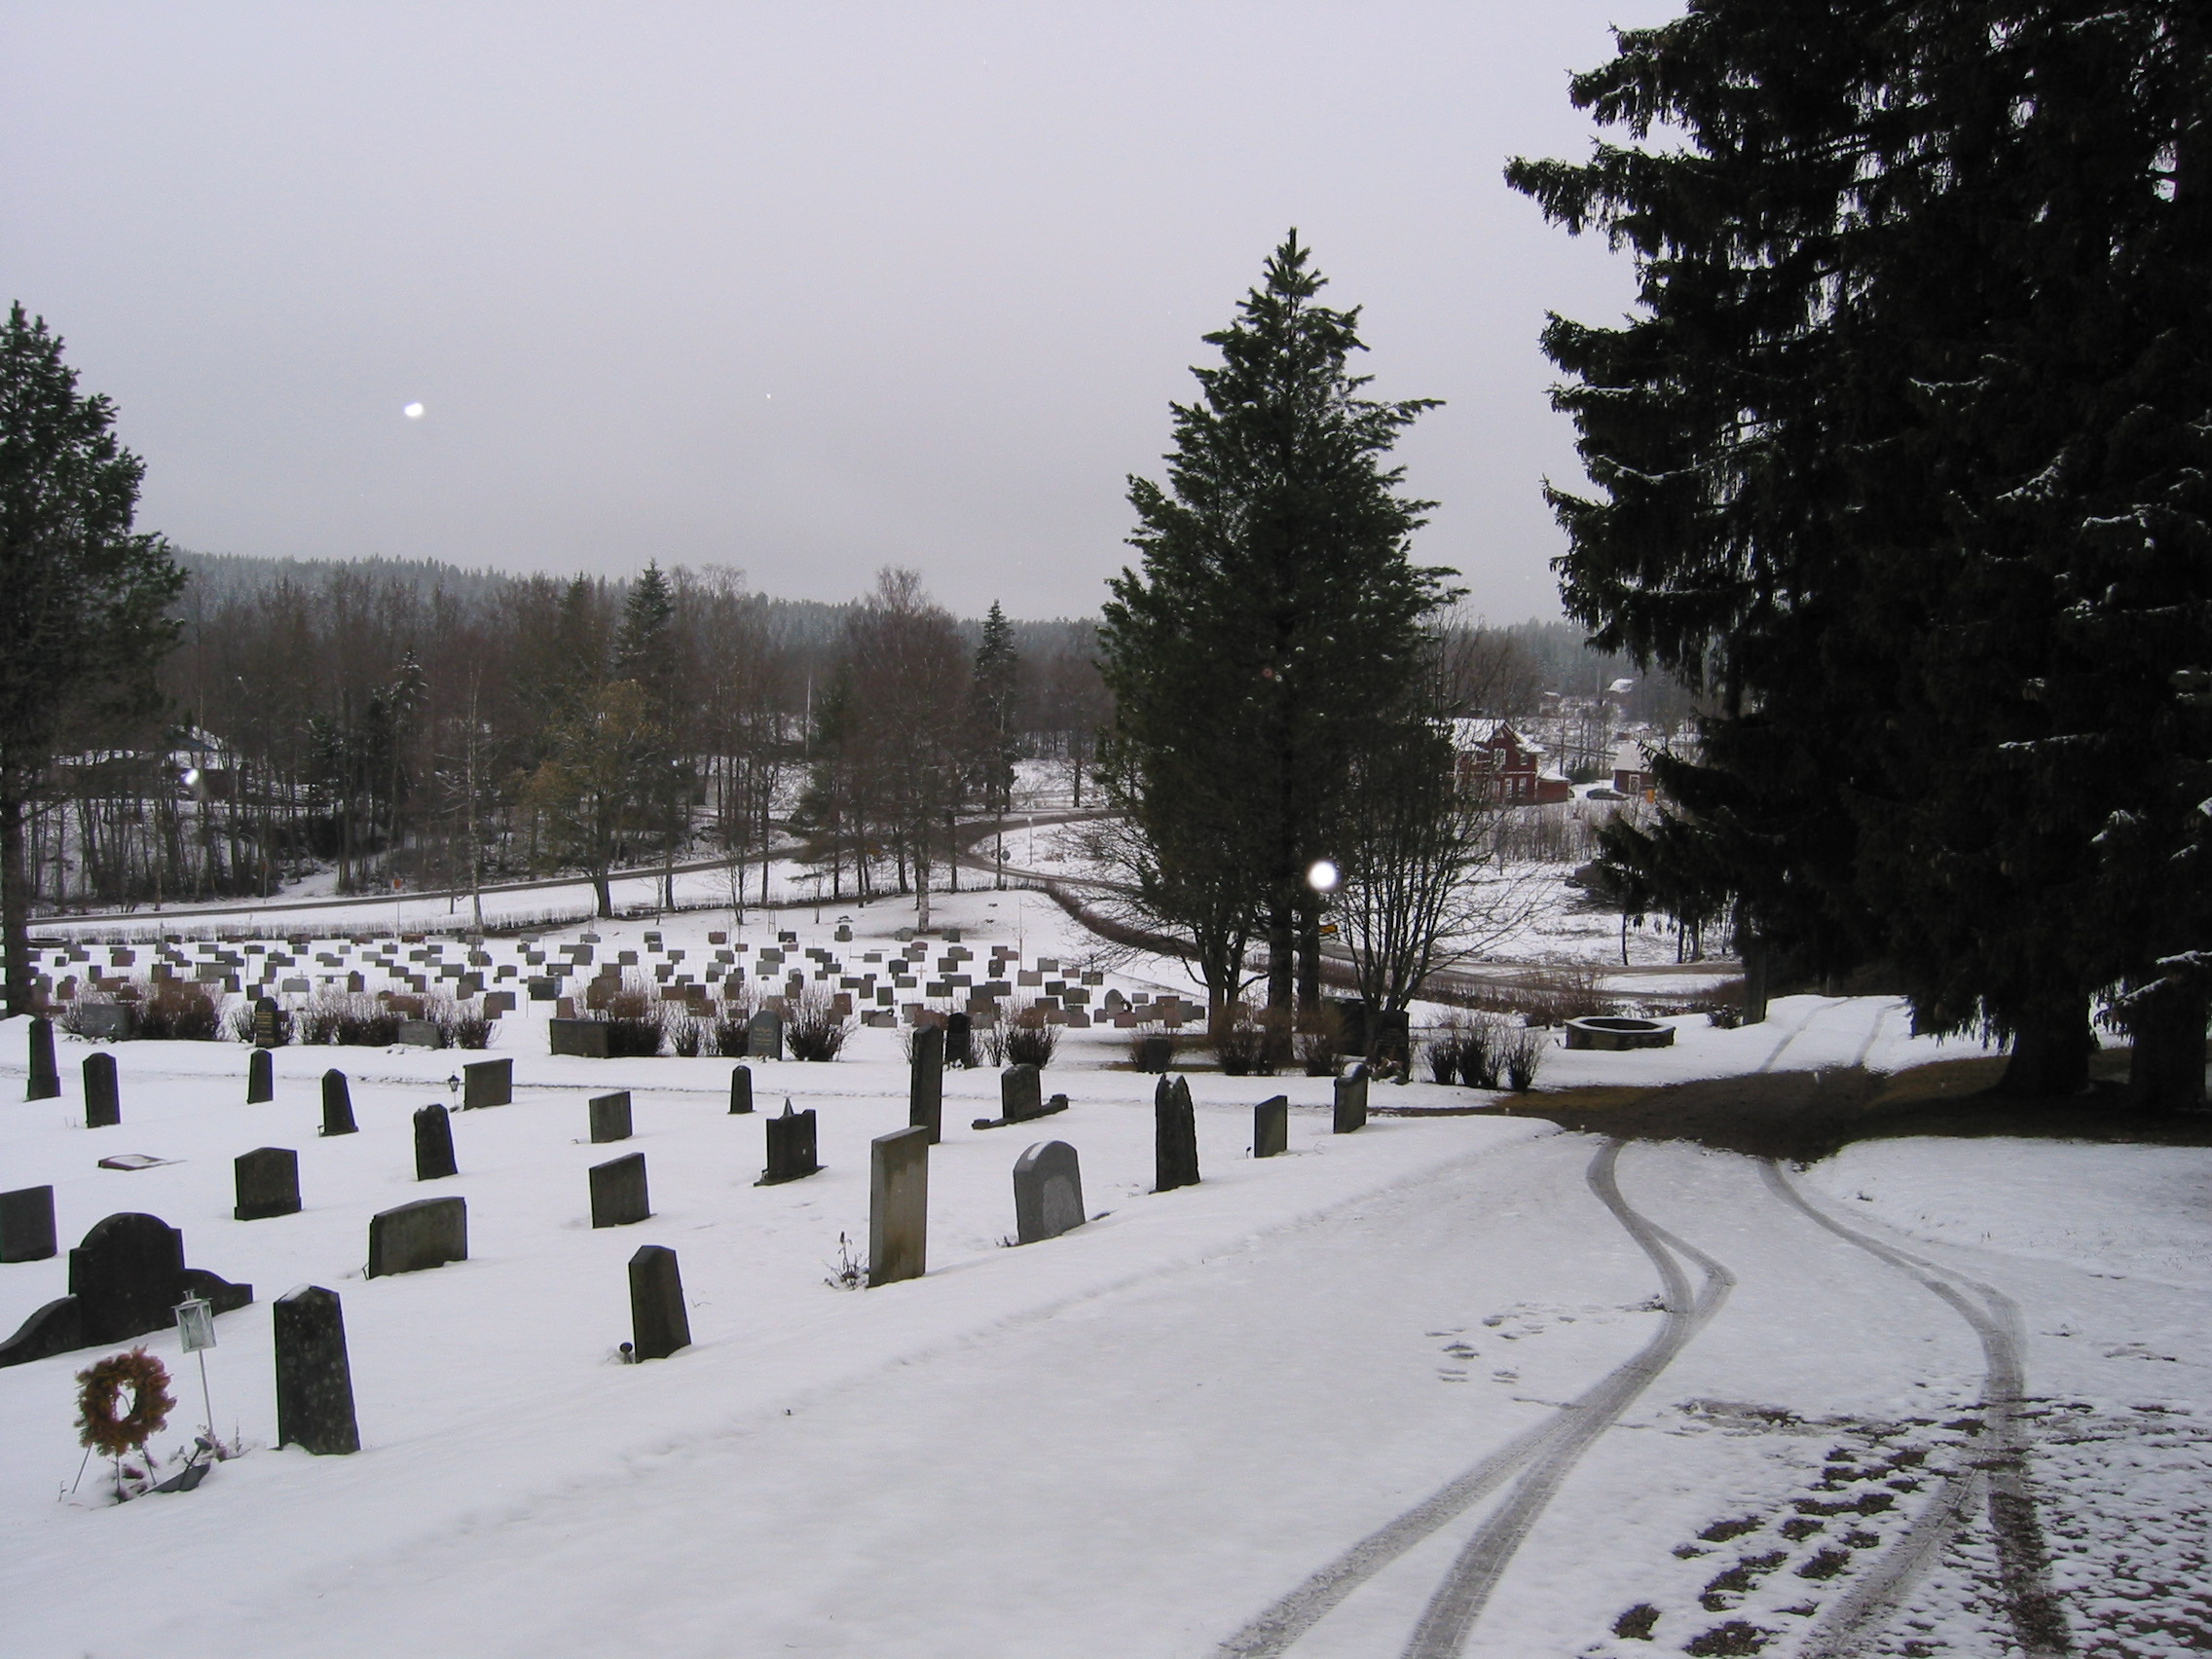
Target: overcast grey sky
[(805, 288)]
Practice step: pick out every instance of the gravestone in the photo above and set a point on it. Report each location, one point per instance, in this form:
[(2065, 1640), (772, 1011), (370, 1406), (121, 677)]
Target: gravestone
[(27, 1224), (45, 1081), (1352, 1014), (107, 1023), (1176, 1136), (315, 1383), (609, 1118), (790, 1148), (619, 1192), (1271, 1128), (1391, 1038), (1047, 1193), (897, 1205), (487, 1082), (267, 1183), (764, 1035), (267, 1022), (426, 1233), (337, 1104), (659, 1326), (1351, 1101), (1022, 1095), (260, 1077), (421, 1034), (433, 1144), (739, 1090), (925, 1083), (129, 1275), (585, 1038), (103, 1098), (958, 1041), (1156, 1052)]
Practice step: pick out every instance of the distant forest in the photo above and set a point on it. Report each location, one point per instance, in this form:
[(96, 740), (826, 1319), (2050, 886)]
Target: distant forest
[(413, 723)]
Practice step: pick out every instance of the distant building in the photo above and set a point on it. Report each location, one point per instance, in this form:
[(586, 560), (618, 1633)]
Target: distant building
[(1632, 770), (1491, 757)]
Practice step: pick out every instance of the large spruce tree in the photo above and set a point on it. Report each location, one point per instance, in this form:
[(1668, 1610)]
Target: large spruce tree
[(1272, 624), (83, 596)]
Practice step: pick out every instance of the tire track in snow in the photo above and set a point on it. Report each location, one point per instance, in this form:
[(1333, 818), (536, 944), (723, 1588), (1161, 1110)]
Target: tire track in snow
[(1553, 1447), (2023, 1563)]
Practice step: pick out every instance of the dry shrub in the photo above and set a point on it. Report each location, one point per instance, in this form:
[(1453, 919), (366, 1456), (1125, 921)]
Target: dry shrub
[(1522, 1056), (1238, 1041), (352, 1018), (1320, 1040), (636, 1021), (1549, 996), (181, 1010), (1028, 1038), (812, 1028)]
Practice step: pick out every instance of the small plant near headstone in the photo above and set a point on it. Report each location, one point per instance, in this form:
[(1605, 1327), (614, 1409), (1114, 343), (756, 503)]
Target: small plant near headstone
[(103, 1426), (637, 1027), (813, 1028), (1447, 1049), (687, 1036), (347, 1020), (849, 1271), (1240, 1041), (464, 1023), (1029, 1039), (1320, 1040)]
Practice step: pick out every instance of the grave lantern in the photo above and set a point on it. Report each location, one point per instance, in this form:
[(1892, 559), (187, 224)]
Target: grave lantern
[(195, 1334)]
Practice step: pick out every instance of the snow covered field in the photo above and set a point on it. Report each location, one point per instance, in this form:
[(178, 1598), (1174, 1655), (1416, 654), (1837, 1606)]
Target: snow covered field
[(1448, 1384)]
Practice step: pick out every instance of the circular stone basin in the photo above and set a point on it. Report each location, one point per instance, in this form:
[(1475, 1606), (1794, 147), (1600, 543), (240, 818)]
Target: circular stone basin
[(1611, 1031)]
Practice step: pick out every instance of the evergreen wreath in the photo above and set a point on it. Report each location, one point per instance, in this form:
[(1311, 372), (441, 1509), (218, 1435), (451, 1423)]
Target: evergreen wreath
[(100, 1391)]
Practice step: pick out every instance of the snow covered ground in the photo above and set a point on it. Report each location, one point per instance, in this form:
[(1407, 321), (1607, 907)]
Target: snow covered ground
[(1449, 1385)]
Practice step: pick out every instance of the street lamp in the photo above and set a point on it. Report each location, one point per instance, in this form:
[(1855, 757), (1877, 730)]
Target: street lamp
[(1323, 876)]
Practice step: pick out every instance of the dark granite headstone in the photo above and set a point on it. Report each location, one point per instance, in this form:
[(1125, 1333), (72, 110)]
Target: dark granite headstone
[(897, 1205), (421, 1034), (659, 1324), (739, 1090), (337, 1104), (268, 1022), (1351, 1101), (433, 1143), (1176, 1136), (790, 1147), (1156, 1052), (585, 1039), (1022, 1095), (1271, 1128), (925, 1082), (106, 1021), (267, 1183), (609, 1118), (260, 1077), (1352, 1013), (429, 1232), (103, 1098), (1047, 1192), (1391, 1038), (315, 1383), (129, 1275), (487, 1082), (619, 1192), (45, 1081), (959, 1040), (764, 1035), (27, 1224)]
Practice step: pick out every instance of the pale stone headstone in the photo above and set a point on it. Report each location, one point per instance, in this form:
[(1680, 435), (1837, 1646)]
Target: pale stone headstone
[(739, 1090), (764, 1035), (421, 1034), (790, 1147), (27, 1224), (426, 1233), (659, 1323), (104, 1098), (267, 1180), (1047, 1192), (1176, 1136), (315, 1383), (433, 1144), (1271, 1128), (619, 1192), (925, 1085), (898, 1206), (45, 1081), (260, 1077), (609, 1116), (487, 1082), (1351, 1101), (337, 1104), (1022, 1095)]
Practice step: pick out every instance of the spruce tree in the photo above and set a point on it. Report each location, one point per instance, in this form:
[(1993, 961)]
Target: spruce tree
[(1273, 617), (993, 683), (82, 623)]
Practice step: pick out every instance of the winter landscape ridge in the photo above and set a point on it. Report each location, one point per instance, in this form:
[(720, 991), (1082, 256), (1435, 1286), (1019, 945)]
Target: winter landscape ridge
[(1451, 1383)]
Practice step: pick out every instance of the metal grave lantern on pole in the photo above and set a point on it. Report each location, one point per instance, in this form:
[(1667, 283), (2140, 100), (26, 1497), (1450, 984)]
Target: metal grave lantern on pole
[(195, 1334)]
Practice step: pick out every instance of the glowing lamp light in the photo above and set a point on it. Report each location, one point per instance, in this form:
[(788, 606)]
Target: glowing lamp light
[(1322, 877)]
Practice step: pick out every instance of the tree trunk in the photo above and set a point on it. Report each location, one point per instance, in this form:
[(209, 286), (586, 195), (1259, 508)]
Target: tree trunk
[(2165, 1071), (2050, 1050), (1281, 963), (604, 892), (1310, 955), (14, 899)]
